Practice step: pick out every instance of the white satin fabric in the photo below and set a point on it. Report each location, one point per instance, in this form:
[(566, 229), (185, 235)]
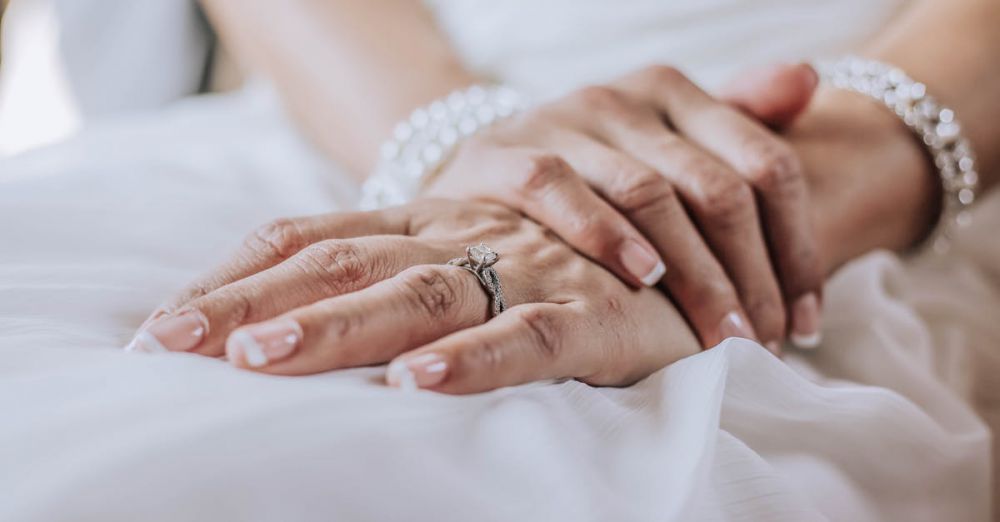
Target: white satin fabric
[(880, 423)]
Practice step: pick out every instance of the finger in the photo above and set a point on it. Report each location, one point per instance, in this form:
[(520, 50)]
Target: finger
[(526, 343), (282, 238), (420, 305), (324, 269), (724, 209), (770, 166), (715, 307), (552, 193), (775, 94)]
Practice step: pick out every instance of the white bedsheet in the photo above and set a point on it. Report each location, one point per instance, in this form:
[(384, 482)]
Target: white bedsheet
[(876, 425)]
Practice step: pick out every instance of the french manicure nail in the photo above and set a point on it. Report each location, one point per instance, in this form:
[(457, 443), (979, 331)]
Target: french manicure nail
[(773, 347), (264, 343), (806, 322), (642, 263), (734, 325), (422, 371), (158, 313), (178, 333)]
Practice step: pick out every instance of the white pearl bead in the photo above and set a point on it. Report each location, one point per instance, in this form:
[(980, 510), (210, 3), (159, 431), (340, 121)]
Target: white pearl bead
[(422, 141)]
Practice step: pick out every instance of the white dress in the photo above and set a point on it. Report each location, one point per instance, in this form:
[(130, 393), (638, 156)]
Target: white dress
[(880, 423)]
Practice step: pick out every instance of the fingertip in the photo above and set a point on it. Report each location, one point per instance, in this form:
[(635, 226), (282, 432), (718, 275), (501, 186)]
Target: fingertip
[(259, 345), (420, 371), (399, 375), (654, 276), (796, 83), (182, 332), (736, 324), (809, 75), (806, 330), (642, 262), (776, 94), (159, 312)]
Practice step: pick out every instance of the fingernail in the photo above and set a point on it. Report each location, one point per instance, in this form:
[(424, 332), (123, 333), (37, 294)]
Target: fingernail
[(178, 333), (141, 340), (642, 263), (422, 371), (806, 322), (813, 75), (734, 325), (158, 313), (773, 347), (264, 343)]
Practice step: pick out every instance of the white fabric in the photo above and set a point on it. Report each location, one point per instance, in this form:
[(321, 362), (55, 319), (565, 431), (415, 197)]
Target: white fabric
[(562, 44), (68, 62), (876, 425)]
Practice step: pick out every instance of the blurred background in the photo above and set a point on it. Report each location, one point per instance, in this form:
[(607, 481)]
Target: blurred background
[(62, 63)]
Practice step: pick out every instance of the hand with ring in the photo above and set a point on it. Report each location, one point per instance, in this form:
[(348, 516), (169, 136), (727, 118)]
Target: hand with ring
[(663, 184), (319, 293)]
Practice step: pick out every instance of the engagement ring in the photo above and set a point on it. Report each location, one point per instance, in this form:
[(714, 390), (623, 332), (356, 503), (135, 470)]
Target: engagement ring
[(480, 260)]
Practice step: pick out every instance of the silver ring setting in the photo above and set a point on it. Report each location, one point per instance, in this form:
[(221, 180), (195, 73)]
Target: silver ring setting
[(479, 260)]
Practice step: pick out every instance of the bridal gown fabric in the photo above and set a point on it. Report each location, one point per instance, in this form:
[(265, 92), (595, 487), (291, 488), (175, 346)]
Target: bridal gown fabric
[(883, 422)]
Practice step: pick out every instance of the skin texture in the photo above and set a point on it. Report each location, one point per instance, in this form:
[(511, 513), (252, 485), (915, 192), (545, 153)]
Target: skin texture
[(852, 151), (651, 159), (319, 281), (725, 282), (342, 298)]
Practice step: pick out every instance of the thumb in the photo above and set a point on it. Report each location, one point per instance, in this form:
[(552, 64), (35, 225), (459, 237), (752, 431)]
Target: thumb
[(773, 94)]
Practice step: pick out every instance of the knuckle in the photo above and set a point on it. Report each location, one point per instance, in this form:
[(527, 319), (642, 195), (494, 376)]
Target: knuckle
[(280, 238), (636, 192), (432, 291), (332, 320), (543, 330), (229, 309), (338, 264), (501, 225), (600, 98), (540, 173), (711, 293), (774, 167), (726, 199), (242, 309), (595, 232), (484, 357), (197, 289), (661, 74)]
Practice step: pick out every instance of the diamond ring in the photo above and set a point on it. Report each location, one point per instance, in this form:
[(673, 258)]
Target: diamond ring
[(480, 260)]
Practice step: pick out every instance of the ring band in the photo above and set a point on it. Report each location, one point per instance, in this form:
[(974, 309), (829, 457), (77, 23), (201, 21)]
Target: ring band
[(480, 260)]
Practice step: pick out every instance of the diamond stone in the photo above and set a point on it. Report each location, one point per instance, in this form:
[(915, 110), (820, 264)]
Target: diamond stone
[(482, 255)]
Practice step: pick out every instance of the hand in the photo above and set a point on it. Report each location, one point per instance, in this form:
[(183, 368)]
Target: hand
[(343, 290), (652, 177)]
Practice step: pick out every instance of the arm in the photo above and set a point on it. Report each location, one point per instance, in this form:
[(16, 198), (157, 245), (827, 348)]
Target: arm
[(402, 60), (349, 69), (396, 57), (856, 156), (865, 167)]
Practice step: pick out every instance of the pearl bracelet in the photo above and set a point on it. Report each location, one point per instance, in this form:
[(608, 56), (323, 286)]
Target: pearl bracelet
[(936, 125), (421, 144)]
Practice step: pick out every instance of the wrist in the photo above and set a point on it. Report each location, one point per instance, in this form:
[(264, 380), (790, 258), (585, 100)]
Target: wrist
[(871, 181), (423, 143)]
